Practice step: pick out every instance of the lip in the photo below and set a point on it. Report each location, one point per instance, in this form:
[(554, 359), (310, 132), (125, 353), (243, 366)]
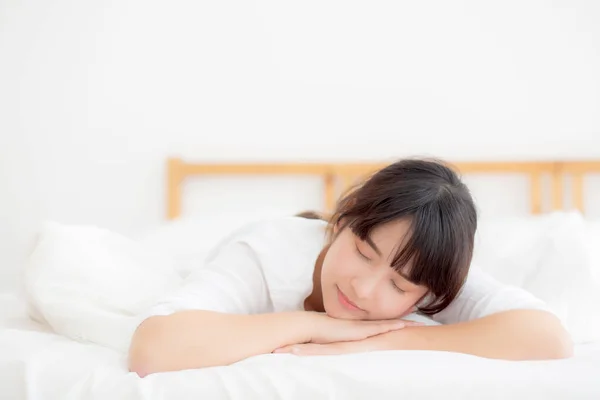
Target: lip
[(346, 302)]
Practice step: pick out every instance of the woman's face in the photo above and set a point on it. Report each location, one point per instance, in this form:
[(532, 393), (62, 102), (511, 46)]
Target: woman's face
[(357, 281)]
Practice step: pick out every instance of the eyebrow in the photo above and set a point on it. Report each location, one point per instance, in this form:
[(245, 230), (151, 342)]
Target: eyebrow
[(376, 249)]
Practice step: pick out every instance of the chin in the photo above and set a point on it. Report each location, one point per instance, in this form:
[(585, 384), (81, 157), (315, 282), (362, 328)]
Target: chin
[(331, 310), (334, 310), (340, 315)]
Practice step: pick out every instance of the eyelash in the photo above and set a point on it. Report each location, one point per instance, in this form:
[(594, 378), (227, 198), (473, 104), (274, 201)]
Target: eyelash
[(368, 259), (362, 255), (396, 287)]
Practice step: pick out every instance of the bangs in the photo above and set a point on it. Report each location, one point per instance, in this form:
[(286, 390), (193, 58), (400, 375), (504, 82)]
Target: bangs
[(435, 253), (437, 249)]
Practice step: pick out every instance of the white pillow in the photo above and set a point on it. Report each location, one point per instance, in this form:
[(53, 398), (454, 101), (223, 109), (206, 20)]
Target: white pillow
[(593, 247), (88, 283), (551, 256), (511, 248)]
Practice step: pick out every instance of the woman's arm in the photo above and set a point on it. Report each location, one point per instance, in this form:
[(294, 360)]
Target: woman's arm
[(495, 320), (509, 335), (196, 339), (210, 312), (487, 319)]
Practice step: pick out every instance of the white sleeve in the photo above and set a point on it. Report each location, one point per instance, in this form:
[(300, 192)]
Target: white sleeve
[(231, 281), (483, 295)]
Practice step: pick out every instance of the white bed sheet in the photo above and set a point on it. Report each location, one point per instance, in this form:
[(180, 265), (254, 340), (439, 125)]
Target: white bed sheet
[(37, 364)]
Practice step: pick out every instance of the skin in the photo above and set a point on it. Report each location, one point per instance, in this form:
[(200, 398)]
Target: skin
[(197, 338), (361, 271)]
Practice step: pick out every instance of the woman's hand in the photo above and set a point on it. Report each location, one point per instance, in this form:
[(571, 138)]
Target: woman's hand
[(325, 329), (329, 349), (542, 340)]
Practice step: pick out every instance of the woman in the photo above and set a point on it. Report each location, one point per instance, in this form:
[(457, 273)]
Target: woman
[(399, 243)]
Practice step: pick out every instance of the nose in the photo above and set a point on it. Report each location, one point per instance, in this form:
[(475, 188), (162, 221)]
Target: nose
[(364, 286)]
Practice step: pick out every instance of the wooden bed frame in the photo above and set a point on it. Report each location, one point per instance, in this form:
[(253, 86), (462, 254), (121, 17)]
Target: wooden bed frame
[(339, 176)]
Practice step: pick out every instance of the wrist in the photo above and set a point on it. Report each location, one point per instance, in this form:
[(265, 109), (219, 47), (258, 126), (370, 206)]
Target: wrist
[(305, 325), (395, 340)]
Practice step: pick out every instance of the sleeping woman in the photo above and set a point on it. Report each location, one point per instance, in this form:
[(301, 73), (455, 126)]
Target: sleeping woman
[(399, 243)]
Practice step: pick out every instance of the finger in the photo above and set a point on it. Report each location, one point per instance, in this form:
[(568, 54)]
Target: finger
[(413, 323), (314, 350), (309, 349), (284, 349), (297, 349), (401, 323), (379, 328)]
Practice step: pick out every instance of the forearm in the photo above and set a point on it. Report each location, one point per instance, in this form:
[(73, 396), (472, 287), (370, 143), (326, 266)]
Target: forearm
[(511, 335), (196, 339)]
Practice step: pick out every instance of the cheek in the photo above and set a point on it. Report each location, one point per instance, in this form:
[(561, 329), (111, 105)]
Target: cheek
[(338, 265), (392, 305)]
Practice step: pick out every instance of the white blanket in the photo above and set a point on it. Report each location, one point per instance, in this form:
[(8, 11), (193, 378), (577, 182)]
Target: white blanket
[(83, 283), (39, 365)]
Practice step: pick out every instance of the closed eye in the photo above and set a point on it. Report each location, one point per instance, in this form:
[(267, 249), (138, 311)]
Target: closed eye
[(397, 288), (362, 255)]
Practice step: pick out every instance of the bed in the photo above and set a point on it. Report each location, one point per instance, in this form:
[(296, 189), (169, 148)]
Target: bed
[(44, 353)]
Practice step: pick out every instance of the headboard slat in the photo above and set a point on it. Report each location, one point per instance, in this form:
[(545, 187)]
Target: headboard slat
[(175, 176), (558, 190), (577, 190), (536, 192), (343, 175), (330, 197)]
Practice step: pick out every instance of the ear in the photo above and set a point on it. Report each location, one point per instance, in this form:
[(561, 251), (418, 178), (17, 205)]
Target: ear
[(338, 226)]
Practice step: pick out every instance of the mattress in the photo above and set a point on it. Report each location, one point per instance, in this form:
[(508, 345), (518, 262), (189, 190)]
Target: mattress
[(36, 363)]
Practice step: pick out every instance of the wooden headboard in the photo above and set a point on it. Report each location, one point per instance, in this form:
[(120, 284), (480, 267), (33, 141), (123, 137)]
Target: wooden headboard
[(339, 176)]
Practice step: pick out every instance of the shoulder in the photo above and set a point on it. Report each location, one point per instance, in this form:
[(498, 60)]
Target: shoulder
[(281, 228), (482, 295), (481, 286), (280, 236), (284, 250)]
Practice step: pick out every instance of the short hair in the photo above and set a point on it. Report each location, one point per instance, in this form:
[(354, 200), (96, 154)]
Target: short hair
[(443, 222)]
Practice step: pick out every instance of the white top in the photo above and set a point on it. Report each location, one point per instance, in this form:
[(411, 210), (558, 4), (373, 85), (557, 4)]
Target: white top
[(267, 266)]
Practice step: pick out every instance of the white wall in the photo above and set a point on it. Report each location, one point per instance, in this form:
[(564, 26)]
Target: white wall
[(95, 95)]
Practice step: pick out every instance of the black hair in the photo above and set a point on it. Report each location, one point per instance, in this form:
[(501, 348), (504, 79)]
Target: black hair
[(443, 222)]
